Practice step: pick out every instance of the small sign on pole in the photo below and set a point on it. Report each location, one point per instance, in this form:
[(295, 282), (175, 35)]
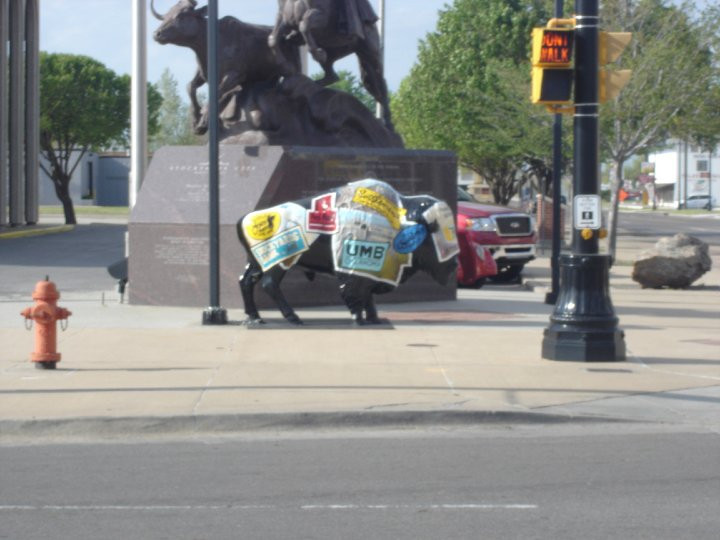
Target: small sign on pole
[(587, 212)]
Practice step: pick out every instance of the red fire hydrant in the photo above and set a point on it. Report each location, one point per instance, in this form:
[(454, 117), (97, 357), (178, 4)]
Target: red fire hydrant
[(45, 313)]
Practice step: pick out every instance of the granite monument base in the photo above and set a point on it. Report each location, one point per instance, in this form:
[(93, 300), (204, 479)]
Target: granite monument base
[(169, 234)]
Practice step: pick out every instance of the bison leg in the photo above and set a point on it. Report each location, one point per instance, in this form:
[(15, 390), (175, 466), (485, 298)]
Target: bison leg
[(270, 282), (199, 126), (371, 315), (356, 293), (247, 288)]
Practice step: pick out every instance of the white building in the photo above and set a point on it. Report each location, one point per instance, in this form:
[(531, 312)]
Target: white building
[(99, 179), (683, 170)]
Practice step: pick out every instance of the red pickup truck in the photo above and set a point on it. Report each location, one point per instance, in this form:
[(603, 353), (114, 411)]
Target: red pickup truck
[(495, 241)]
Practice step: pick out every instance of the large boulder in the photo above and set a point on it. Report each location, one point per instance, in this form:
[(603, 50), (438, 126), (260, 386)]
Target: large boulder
[(675, 262)]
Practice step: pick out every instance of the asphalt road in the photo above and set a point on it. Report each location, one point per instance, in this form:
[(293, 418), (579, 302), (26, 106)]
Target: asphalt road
[(77, 259), (657, 224), (546, 481)]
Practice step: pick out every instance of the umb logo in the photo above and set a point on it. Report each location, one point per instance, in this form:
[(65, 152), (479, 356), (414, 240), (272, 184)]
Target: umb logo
[(359, 255)]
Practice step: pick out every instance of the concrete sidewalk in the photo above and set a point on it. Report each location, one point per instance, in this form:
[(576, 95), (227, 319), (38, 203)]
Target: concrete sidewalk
[(146, 370)]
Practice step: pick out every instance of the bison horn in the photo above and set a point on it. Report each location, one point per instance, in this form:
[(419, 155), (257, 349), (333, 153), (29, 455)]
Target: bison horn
[(154, 11)]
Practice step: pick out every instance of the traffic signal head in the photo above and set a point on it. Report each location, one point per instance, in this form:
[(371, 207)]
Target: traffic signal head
[(552, 71), (610, 47)]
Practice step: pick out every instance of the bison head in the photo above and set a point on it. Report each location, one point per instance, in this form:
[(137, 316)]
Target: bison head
[(182, 25), (437, 255)]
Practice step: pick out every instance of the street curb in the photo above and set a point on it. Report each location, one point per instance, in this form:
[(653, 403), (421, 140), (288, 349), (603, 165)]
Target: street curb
[(104, 427), (40, 231)]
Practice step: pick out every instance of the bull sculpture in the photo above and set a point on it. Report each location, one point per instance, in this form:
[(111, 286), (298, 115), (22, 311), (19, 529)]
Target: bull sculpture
[(365, 233), (334, 29), (244, 56)]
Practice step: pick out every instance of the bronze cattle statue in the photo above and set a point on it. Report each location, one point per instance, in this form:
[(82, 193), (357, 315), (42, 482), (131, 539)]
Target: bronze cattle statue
[(333, 29), (365, 233), (244, 56)]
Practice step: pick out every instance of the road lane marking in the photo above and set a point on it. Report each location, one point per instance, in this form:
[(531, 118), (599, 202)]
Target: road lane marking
[(250, 507)]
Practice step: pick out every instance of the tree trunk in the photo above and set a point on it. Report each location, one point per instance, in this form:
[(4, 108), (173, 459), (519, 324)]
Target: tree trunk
[(614, 204), (62, 190)]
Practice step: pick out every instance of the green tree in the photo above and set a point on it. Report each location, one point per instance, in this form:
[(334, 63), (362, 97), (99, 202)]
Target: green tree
[(349, 83), (469, 93), (83, 106), (175, 127), (673, 86)]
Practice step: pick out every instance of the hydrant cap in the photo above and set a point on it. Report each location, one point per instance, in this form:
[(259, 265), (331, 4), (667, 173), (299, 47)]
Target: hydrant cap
[(45, 290)]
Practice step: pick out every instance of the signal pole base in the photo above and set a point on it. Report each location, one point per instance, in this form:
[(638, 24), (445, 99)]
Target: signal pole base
[(583, 326), (214, 315)]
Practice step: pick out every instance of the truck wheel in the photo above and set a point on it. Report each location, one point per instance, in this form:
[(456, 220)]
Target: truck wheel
[(506, 274)]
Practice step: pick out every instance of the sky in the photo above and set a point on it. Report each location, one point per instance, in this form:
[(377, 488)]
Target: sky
[(102, 30)]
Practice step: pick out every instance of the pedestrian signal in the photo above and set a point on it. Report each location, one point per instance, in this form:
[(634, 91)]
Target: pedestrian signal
[(552, 70)]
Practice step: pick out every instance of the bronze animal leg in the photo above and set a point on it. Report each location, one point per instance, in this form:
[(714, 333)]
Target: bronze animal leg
[(197, 81), (371, 72), (330, 75), (312, 19), (281, 29)]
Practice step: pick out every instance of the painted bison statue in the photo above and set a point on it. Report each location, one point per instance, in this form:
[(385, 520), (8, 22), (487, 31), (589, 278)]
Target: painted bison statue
[(365, 233)]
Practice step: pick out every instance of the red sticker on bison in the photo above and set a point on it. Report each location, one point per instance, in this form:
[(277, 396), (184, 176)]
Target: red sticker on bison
[(323, 216)]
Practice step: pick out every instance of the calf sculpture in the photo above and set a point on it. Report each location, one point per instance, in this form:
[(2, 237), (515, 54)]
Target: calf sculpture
[(365, 233)]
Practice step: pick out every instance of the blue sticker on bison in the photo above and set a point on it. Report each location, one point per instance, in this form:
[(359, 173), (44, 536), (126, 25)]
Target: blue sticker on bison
[(368, 256), (410, 238)]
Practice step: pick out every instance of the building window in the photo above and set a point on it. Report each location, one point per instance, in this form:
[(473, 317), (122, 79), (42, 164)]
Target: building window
[(701, 165)]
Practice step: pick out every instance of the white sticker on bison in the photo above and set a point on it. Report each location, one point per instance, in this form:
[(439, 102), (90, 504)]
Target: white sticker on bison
[(277, 234), (444, 236)]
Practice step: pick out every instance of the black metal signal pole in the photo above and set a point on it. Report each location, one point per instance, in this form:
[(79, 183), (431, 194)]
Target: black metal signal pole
[(552, 296), (583, 326), (214, 314)]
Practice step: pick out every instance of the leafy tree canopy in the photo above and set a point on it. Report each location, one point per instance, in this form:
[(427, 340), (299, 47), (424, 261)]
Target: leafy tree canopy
[(174, 121), (83, 105), (675, 86), (469, 92)]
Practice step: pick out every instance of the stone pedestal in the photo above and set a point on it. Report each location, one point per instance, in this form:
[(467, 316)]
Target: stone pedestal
[(169, 233)]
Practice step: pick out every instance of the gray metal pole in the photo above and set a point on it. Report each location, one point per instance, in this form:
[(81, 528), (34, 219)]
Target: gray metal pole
[(17, 107), (710, 203), (4, 127), (138, 100), (685, 176), (214, 314), (381, 31), (32, 110), (552, 296)]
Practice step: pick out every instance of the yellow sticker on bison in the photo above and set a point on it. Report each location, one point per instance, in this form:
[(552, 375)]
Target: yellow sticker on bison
[(262, 225), (381, 204)]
